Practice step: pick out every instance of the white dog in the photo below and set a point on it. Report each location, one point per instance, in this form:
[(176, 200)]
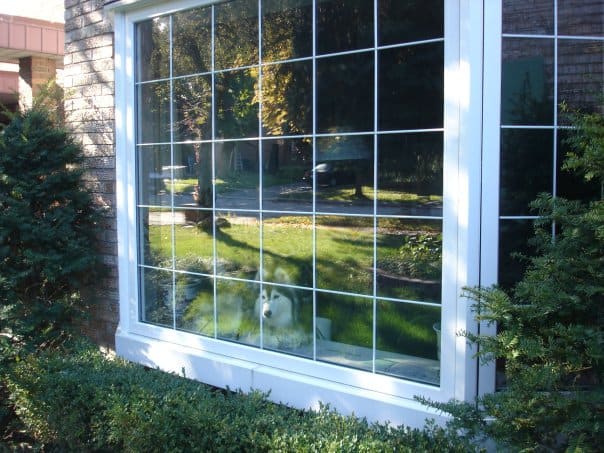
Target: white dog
[(278, 307)]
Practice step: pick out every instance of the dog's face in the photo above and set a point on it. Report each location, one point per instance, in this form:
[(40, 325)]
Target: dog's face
[(276, 308)]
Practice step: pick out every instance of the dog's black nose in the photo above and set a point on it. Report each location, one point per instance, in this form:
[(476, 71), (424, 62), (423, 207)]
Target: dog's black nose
[(267, 313)]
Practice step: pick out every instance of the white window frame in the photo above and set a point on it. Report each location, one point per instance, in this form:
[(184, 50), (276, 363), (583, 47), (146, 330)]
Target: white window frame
[(297, 381)]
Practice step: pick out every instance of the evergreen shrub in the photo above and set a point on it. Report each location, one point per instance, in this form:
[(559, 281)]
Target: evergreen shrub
[(83, 401), (551, 326), (48, 227)]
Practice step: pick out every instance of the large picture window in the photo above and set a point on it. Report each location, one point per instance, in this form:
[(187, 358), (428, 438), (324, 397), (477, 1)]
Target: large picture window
[(289, 162)]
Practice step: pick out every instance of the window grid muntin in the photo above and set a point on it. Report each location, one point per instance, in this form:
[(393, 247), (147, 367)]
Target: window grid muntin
[(375, 133)]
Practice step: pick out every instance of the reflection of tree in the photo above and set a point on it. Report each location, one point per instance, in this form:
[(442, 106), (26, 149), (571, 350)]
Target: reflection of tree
[(287, 98), (412, 162), (352, 153), (344, 25), (410, 20)]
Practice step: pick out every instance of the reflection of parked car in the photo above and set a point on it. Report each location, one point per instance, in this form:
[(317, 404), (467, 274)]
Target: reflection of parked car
[(333, 173)]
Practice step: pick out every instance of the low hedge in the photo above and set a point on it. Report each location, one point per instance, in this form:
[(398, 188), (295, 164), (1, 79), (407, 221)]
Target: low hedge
[(82, 401)]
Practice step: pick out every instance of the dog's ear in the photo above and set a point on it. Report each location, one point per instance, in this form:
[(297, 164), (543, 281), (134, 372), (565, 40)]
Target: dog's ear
[(281, 276), (264, 275)]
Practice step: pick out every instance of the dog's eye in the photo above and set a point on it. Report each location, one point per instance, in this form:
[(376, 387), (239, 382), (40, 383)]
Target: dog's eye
[(276, 296)]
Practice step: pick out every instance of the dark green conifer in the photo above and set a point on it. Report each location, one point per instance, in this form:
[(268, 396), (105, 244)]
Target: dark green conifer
[(47, 228)]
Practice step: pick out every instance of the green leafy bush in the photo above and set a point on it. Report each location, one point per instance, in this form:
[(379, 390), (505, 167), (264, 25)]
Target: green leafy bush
[(47, 229), (551, 327), (83, 401)]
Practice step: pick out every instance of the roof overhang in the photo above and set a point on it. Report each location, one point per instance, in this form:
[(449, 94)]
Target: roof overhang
[(22, 37)]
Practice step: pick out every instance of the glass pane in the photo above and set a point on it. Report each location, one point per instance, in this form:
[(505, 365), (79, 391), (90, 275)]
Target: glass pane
[(152, 49), (513, 238), (286, 185), (156, 297), (153, 173), (344, 25), (192, 185), (337, 78), (236, 104), (193, 109), (287, 98), (580, 76), (238, 245), (408, 341), (568, 184), (344, 254), (153, 119), (235, 317), (194, 245), (409, 20), (527, 81), (193, 292), (344, 174), (155, 233), (286, 29), (286, 319), (195, 306), (526, 168), (410, 174), (237, 178), (287, 249), (528, 17), (411, 87), (345, 330), (409, 259), (580, 18), (192, 41), (236, 34)]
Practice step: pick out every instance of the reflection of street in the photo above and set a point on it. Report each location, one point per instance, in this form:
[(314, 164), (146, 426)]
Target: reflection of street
[(286, 199)]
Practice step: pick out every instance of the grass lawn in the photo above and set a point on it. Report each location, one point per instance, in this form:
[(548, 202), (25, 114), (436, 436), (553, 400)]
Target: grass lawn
[(344, 262)]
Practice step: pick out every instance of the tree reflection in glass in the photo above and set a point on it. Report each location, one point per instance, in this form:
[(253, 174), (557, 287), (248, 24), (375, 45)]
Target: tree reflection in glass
[(410, 174), (236, 103), (286, 29), (153, 112), (344, 25), (411, 87), (192, 100), (286, 181), (191, 41), (337, 78), (236, 34), (287, 98), (410, 21), (153, 42), (344, 174)]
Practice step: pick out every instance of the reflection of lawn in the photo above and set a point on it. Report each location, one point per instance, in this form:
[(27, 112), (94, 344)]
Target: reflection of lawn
[(348, 193), (383, 195), (180, 185), (344, 262), (238, 180)]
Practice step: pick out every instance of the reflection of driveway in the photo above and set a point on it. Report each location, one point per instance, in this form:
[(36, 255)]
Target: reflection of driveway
[(289, 198)]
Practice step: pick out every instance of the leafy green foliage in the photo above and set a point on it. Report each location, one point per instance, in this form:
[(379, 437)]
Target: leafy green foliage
[(421, 255), (47, 229), (550, 328), (83, 401)]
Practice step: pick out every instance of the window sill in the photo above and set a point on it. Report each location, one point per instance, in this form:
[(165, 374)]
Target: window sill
[(285, 387)]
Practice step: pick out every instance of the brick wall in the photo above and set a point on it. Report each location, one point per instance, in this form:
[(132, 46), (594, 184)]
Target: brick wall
[(89, 99)]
